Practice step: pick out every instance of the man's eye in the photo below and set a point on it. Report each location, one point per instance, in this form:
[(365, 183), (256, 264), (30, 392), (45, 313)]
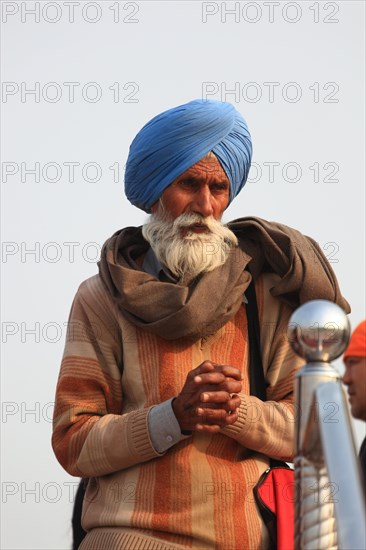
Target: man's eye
[(220, 187), (186, 183)]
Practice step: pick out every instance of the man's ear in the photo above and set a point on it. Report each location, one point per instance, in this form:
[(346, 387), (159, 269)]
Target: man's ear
[(156, 205)]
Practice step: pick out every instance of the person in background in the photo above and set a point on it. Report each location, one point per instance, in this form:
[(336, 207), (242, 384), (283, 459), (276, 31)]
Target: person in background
[(355, 379), (154, 404)]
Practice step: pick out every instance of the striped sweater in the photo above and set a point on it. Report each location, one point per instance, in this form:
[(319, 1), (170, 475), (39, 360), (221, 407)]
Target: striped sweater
[(198, 494)]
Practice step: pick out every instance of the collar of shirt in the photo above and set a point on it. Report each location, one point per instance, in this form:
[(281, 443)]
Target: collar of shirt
[(154, 267)]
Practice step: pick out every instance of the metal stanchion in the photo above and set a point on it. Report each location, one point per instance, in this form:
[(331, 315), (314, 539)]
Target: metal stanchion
[(319, 331)]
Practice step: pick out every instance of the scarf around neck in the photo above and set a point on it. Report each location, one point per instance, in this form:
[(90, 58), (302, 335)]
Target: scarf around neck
[(201, 307)]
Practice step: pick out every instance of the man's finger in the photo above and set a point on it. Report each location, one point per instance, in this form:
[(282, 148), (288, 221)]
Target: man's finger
[(215, 397), (210, 378)]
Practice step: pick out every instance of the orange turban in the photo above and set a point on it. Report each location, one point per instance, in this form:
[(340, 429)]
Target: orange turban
[(357, 343)]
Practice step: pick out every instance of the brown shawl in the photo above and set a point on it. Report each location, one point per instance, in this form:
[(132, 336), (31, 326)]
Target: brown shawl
[(203, 306)]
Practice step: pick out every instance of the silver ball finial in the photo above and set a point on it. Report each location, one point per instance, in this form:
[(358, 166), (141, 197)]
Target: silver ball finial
[(319, 331)]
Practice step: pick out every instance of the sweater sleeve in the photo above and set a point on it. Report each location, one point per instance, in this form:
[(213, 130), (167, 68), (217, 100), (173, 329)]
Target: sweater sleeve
[(267, 427), (91, 436)]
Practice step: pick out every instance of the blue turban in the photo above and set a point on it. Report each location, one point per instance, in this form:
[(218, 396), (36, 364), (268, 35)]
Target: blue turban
[(176, 139)]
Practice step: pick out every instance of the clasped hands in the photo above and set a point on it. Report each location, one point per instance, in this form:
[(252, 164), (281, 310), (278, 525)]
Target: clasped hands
[(207, 402)]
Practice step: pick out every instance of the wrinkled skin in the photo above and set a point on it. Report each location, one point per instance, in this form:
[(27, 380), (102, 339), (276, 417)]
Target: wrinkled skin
[(207, 401)]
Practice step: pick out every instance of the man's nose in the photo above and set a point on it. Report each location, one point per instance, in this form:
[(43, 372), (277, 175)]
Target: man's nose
[(203, 202), (346, 379)]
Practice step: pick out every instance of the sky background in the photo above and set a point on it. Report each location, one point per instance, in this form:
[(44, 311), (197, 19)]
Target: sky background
[(79, 79)]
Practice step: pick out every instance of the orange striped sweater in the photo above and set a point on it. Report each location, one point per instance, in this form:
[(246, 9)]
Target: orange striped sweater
[(198, 494)]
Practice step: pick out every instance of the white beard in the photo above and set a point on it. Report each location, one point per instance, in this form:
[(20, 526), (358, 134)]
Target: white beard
[(187, 253)]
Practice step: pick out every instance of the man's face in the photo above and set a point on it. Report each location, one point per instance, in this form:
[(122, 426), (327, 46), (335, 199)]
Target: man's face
[(185, 230), (355, 378), (203, 189)]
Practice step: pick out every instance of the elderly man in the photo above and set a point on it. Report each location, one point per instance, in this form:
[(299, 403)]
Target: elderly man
[(355, 379), (154, 404)]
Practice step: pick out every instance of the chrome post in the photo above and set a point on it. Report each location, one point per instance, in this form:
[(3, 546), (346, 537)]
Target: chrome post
[(318, 331), (343, 466)]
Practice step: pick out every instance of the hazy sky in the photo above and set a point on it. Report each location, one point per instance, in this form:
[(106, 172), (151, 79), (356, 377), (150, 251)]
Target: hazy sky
[(79, 79)]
